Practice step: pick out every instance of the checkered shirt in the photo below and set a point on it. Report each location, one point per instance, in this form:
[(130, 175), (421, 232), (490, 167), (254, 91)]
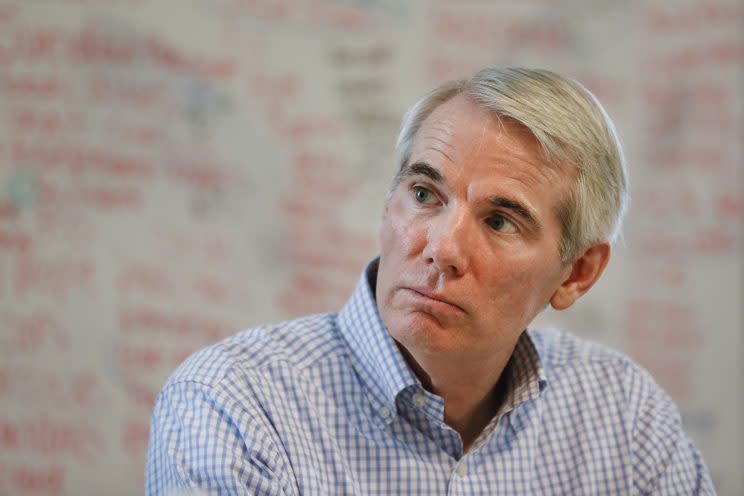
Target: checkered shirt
[(326, 405)]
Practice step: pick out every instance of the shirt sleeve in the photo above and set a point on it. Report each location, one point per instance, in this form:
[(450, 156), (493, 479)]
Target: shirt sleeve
[(202, 442), (665, 460)]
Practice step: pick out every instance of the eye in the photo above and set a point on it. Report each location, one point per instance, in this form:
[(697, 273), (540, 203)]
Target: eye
[(500, 223), (424, 195)]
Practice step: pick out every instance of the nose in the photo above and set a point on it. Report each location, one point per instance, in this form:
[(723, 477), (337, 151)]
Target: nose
[(449, 243)]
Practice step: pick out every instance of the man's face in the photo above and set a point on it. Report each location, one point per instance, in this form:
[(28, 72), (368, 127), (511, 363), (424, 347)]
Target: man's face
[(470, 238)]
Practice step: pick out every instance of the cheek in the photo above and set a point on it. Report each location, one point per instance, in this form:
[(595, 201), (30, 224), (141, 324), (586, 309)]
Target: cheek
[(517, 282), (399, 235)]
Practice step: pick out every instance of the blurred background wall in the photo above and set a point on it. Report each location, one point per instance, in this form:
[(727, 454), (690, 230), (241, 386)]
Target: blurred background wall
[(174, 171)]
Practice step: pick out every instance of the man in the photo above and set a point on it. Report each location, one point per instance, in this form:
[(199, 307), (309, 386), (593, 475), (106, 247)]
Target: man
[(510, 189)]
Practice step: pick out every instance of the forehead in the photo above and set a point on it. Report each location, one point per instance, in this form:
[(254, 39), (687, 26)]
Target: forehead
[(463, 138)]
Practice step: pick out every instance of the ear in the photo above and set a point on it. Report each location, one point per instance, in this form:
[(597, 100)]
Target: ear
[(585, 271)]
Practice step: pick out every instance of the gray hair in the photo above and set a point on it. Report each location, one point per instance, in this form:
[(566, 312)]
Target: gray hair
[(571, 127)]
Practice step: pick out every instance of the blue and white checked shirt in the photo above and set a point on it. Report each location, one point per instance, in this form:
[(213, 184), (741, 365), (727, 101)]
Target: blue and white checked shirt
[(326, 405)]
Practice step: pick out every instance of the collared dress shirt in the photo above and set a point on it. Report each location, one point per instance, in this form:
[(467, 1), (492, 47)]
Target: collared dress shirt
[(327, 405)]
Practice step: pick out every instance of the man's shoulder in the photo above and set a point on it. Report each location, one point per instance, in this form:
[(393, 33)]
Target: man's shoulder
[(563, 354), (598, 396), (560, 348), (294, 345)]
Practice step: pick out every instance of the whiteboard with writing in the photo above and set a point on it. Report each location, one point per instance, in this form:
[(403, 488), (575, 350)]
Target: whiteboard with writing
[(174, 171)]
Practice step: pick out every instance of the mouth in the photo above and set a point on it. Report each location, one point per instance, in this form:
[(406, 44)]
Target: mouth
[(427, 294)]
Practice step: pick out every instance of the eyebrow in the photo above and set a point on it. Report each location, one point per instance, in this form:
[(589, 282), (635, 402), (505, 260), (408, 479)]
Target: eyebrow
[(518, 208), (421, 169)]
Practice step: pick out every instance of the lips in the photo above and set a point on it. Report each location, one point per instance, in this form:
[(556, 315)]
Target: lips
[(433, 295)]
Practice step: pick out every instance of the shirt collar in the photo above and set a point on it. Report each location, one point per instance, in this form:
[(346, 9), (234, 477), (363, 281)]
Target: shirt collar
[(377, 359), (526, 379), (383, 369)]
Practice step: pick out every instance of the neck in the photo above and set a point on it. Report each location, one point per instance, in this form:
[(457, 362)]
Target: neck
[(472, 390)]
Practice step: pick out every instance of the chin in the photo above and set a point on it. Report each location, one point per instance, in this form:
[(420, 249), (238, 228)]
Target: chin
[(420, 332)]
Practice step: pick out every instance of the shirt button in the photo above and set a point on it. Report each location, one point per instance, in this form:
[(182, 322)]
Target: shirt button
[(461, 469), (385, 413), (419, 399)]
